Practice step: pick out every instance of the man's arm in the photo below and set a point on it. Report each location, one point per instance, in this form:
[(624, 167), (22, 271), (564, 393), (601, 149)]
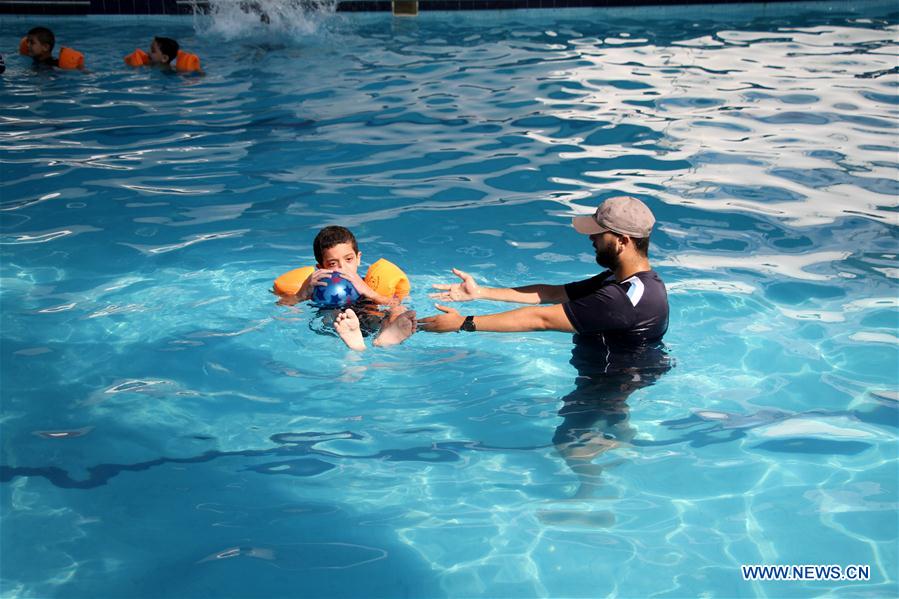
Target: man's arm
[(468, 290), (528, 294), (537, 318)]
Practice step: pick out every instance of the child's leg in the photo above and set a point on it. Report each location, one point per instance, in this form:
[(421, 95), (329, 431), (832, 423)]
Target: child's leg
[(347, 326), (399, 326)]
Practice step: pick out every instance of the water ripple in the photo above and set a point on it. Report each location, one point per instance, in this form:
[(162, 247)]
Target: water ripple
[(765, 142)]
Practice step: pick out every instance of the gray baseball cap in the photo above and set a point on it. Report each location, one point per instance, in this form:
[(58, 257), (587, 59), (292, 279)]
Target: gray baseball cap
[(624, 215)]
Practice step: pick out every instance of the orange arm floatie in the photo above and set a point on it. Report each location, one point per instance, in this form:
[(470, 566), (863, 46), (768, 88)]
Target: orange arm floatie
[(383, 276), (23, 47), (138, 58), (387, 279), (290, 282), (187, 62), (71, 59)]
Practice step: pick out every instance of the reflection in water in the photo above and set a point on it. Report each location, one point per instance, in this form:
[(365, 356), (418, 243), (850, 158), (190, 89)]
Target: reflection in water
[(288, 444), (595, 415), (304, 556), (67, 434)]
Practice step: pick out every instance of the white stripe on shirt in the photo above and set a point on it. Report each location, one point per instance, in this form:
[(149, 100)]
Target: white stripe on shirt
[(635, 291)]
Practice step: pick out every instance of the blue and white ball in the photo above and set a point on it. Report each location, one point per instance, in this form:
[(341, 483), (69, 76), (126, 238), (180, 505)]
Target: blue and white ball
[(338, 293)]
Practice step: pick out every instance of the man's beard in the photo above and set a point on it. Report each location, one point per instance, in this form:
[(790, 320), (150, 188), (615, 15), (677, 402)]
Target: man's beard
[(607, 258)]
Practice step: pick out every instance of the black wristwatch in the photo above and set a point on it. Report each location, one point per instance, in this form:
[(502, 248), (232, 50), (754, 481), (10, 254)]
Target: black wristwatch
[(468, 325)]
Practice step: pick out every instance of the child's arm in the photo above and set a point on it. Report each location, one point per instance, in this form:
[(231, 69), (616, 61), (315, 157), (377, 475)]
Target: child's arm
[(304, 293), (366, 291)]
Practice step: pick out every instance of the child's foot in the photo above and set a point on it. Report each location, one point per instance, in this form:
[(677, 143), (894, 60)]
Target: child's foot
[(399, 327), (347, 326)]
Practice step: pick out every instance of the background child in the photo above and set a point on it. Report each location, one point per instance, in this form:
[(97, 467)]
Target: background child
[(163, 50), (39, 43), (167, 54)]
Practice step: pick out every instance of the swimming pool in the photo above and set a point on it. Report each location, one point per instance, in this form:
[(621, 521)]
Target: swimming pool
[(169, 431)]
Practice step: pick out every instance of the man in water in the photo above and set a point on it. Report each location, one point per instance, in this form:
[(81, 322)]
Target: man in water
[(624, 308), (618, 318)]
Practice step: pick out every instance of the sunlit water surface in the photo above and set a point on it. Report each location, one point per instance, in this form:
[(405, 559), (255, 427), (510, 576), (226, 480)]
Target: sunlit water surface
[(169, 431)]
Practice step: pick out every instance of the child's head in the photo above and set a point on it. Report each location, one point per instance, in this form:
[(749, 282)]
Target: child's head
[(163, 50), (40, 42), (336, 248)]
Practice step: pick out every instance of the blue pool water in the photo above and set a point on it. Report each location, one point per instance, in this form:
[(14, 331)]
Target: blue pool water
[(168, 430)]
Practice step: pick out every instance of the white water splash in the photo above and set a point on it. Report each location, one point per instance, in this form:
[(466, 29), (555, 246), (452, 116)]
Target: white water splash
[(233, 19)]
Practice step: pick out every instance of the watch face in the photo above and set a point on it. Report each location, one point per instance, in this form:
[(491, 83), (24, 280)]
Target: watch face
[(468, 324)]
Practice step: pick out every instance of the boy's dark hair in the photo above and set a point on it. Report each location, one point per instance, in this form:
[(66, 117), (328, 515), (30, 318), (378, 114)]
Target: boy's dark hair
[(168, 46), (44, 36), (329, 237)]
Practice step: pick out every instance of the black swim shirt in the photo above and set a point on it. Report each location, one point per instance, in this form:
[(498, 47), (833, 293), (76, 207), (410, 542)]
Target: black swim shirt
[(618, 323)]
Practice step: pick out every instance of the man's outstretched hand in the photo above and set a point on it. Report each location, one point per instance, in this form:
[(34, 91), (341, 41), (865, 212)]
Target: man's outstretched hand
[(448, 322), (458, 292)]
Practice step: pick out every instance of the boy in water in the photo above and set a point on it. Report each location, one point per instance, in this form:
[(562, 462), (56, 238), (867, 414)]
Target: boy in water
[(336, 250), (165, 54), (40, 42), (163, 50), (39, 45)]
